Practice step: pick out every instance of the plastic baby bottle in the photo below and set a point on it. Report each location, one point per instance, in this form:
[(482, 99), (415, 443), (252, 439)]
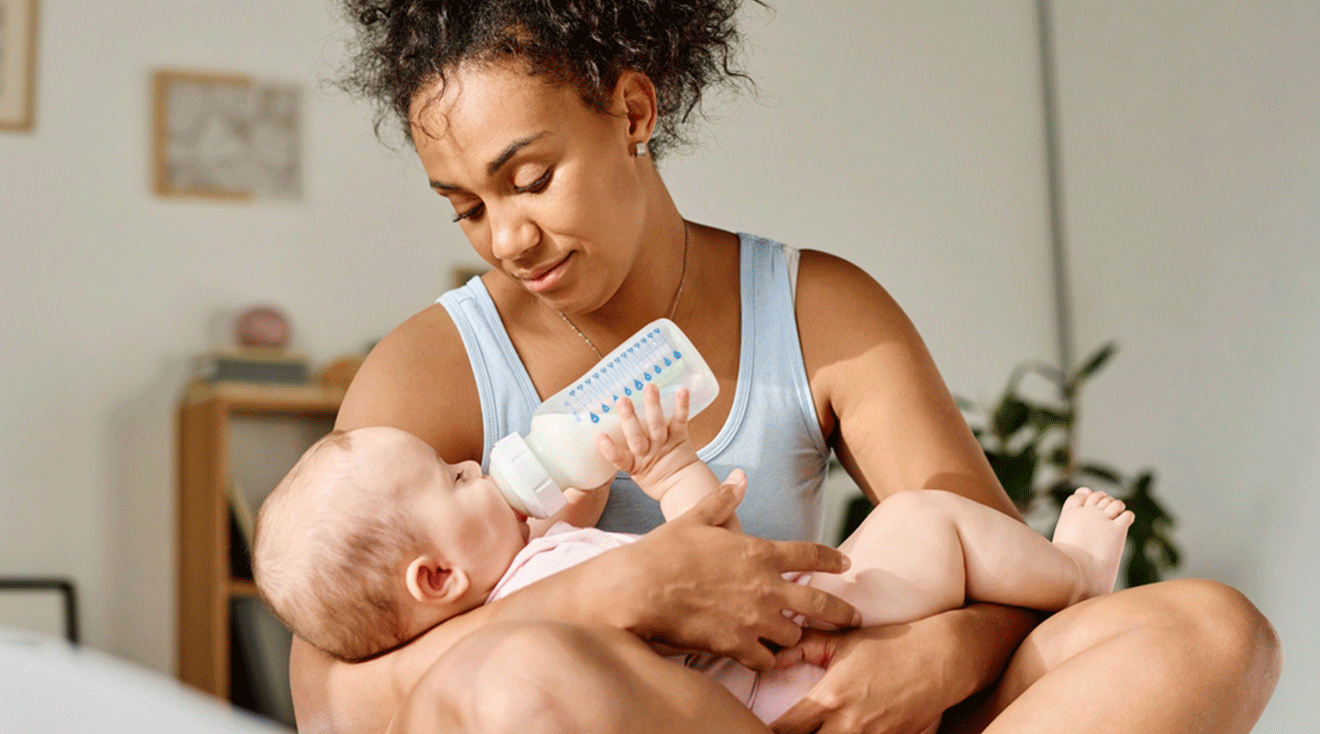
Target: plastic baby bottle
[(559, 450)]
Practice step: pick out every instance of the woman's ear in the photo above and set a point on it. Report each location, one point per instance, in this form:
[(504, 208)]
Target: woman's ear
[(635, 94), (430, 581)]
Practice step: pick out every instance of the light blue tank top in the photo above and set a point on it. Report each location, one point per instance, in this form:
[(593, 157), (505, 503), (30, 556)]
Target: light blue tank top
[(771, 433)]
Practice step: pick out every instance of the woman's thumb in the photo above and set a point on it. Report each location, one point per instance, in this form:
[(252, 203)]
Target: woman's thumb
[(718, 506)]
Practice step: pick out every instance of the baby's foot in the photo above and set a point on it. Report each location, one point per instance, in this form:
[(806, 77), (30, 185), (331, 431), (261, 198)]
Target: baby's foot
[(1092, 529)]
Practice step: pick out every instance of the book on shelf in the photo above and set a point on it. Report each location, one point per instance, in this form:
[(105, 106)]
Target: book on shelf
[(259, 669), (252, 365), (241, 523)]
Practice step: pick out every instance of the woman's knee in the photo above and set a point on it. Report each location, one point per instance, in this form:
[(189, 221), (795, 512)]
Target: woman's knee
[(1227, 628), (517, 677)]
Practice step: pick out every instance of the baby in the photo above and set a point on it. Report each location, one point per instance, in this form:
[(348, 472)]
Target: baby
[(372, 539)]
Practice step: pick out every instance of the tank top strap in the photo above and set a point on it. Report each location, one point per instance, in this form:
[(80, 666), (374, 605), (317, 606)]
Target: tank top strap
[(507, 395)]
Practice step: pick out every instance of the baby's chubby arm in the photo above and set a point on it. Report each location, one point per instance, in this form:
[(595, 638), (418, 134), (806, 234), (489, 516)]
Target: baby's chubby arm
[(660, 458)]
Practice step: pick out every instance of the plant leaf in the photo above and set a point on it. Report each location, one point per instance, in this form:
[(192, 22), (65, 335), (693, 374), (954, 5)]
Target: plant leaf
[(1061, 490), (1059, 455), (1093, 364), (1046, 418), (1140, 568), (1017, 473), (966, 405), (1101, 472), (1011, 415)]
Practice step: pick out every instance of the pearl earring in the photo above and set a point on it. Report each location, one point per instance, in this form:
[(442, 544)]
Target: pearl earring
[(641, 149)]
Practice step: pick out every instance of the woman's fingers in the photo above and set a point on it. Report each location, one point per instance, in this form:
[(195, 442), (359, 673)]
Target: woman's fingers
[(779, 632), (820, 608), (803, 555)]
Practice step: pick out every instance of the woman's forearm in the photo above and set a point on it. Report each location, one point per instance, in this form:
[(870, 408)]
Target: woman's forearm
[(981, 638), (331, 695)]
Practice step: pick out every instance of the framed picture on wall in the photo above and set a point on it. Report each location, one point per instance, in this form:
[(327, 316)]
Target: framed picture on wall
[(226, 136), (18, 63)]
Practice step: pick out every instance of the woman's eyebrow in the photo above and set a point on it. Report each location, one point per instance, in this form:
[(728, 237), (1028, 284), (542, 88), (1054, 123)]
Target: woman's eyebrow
[(504, 157), (499, 160)]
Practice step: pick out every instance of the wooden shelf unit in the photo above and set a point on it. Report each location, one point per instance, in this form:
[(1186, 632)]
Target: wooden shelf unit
[(206, 586)]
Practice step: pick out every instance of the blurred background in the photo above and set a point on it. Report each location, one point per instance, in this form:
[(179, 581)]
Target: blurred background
[(907, 136)]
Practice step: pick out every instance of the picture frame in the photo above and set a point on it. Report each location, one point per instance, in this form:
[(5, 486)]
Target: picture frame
[(18, 64), (225, 136)]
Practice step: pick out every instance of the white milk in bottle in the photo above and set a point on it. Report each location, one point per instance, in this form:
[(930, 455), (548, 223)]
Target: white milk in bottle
[(559, 450)]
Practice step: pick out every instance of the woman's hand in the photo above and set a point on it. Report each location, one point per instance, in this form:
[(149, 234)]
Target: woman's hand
[(899, 679), (876, 680), (705, 588)]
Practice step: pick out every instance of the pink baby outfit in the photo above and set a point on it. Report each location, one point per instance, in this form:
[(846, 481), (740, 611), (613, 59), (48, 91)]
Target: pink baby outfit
[(768, 694)]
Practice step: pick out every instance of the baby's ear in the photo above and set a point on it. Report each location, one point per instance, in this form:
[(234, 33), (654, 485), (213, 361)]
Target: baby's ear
[(430, 581)]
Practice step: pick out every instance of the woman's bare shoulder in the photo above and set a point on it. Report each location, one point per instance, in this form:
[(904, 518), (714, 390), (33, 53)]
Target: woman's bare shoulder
[(840, 307), (418, 378)]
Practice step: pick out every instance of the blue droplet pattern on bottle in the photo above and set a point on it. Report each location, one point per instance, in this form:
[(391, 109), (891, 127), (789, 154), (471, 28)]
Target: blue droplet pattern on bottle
[(650, 359)]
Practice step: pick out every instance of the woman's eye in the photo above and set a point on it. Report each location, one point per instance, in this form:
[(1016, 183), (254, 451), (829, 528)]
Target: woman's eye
[(538, 185), (469, 213)]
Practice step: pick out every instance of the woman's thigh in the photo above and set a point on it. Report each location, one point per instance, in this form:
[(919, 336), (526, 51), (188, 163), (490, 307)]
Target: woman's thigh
[(1180, 656), (550, 677)]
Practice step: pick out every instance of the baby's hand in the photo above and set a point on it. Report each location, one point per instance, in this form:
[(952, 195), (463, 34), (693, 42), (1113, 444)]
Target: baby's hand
[(655, 449)]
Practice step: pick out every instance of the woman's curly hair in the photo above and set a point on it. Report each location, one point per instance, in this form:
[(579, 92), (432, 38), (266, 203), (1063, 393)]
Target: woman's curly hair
[(683, 46)]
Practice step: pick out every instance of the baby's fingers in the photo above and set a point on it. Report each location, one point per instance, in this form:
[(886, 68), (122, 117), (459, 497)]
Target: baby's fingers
[(633, 432), (621, 459), (655, 415), (678, 422)]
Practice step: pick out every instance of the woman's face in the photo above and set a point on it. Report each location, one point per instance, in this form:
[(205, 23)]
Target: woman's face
[(545, 188)]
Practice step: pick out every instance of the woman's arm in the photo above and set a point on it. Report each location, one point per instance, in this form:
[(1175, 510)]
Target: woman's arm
[(662, 588), (894, 426), (926, 669)]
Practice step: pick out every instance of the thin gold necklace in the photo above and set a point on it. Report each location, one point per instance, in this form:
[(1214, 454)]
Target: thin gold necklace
[(673, 308)]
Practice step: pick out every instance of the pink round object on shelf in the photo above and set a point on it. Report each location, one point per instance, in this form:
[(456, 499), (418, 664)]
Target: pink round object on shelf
[(262, 327)]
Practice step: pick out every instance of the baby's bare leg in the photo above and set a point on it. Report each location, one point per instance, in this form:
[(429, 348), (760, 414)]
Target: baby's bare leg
[(923, 552)]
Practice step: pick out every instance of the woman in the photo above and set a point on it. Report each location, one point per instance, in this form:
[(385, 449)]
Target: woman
[(539, 122)]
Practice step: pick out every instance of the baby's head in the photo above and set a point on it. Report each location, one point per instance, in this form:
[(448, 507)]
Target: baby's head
[(372, 539)]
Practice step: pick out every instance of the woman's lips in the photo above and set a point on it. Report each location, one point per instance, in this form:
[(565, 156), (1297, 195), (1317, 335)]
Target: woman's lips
[(548, 278)]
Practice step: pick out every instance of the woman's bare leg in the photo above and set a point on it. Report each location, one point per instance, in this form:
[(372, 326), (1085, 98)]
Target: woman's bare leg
[(1179, 656), (553, 678), (926, 551)]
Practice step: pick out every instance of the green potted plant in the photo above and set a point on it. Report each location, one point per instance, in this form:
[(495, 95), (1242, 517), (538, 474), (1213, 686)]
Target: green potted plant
[(1022, 436)]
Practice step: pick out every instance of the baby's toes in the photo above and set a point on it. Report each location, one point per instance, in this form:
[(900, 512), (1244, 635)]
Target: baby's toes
[(1077, 498), (1114, 508), (1126, 519), (1096, 499)]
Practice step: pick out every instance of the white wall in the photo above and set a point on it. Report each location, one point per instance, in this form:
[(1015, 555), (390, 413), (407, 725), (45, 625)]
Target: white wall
[(1192, 159), (109, 290)]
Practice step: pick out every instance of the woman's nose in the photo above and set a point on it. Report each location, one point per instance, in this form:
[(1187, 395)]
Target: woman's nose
[(512, 233)]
